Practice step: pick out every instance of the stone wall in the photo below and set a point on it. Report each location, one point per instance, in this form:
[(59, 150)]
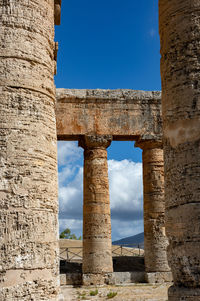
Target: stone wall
[(28, 165)]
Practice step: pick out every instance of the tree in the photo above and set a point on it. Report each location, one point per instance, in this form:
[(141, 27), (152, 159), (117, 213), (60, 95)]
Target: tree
[(66, 234)]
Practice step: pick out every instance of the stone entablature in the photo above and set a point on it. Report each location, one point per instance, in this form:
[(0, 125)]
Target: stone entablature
[(124, 114)]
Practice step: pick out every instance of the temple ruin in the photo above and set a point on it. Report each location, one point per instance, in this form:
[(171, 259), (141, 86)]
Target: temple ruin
[(95, 118), (30, 127)]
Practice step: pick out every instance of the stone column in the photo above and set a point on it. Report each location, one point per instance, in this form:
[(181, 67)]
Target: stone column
[(97, 252), (180, 71), (28, 151), (155, 240)]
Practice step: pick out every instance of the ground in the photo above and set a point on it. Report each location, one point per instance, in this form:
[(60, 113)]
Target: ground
[(135, 292)]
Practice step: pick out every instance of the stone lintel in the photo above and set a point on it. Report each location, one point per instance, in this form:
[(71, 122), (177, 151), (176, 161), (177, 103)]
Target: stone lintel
[(57, 11), (92, 141), (123, 114)]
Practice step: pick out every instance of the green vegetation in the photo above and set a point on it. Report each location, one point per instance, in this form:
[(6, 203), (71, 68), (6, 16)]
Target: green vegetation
[(111, 295), (68, 235), (82, 295), (94, 293)]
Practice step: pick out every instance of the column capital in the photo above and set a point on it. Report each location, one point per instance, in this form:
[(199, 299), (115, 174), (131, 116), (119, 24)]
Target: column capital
[(149, 144), (95, 141)]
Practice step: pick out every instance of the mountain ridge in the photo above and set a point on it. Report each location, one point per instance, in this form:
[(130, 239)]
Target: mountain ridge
[(131, 241)]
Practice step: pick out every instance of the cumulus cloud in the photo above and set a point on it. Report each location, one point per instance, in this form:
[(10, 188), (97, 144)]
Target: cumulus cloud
[(75, 225), (71, 196), (68, 152), (122, 229), (70, 177), (125, 180)]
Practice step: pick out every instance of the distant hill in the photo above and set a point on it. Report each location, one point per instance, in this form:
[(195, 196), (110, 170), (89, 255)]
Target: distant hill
[(131, 241)]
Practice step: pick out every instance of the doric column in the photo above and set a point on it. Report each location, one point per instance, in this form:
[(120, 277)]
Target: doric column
[(28, 152), (97, 253), (180, 72), (155, 240)]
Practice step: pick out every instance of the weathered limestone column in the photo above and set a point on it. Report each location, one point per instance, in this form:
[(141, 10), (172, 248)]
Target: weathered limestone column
[(28, 151), (180, 70), (155, 240), (97, 253)]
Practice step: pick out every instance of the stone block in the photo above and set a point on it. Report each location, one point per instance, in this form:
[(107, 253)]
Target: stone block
[(158, 277)]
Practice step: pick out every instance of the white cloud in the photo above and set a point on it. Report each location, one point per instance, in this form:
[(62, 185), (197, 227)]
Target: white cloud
[(66, 173), (71, 195), (68, 152), (126, 190), (124, 229), (74, 225)]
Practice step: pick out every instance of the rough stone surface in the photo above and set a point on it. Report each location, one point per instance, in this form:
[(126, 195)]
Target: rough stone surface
[(28, 165), (28, 178), (136, 292), (71, 279), (97, 252), (183, 293), (57, 11), (159, 277), (180, 70), (155, 240), (114, 278), (98, 278), (129, 277), (124, 114)]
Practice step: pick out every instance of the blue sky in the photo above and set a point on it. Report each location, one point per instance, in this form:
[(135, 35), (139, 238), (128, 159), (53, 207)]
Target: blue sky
[(107, 44)]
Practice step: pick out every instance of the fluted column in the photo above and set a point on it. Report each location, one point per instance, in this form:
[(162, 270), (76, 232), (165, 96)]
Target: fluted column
[(155, 240), (180, 72), (97, 254), (28, 152)]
